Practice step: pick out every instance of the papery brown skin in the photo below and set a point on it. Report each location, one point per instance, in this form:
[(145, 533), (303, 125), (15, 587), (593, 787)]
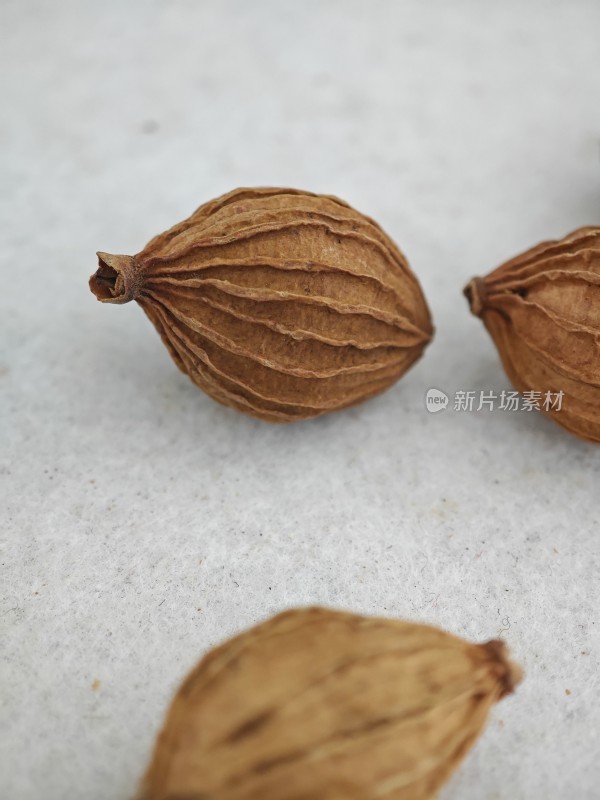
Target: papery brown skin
[(316, 704), (281, 303), (542, 309)]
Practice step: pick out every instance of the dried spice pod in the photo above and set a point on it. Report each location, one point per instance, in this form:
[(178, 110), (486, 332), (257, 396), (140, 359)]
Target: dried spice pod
[(281, 303), (542, 309), (324, 705)]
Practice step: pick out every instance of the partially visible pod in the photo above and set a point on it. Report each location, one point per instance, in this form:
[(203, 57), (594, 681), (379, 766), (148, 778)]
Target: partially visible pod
[(542, 309)]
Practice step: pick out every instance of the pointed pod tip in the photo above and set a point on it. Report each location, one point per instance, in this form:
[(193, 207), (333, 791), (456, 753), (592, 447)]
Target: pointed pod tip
[(511, 674), (475, 293), (117, 279)]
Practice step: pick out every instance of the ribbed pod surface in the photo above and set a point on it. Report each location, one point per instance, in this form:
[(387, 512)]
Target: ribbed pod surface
[(281, 303), (542, 309)]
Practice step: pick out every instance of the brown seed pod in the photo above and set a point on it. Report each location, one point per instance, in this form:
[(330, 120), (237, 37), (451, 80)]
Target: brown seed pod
[(542, 309), (317, 704), (281, 303)]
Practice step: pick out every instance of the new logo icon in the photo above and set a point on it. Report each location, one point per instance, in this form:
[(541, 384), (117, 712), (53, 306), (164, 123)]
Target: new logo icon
[(435, 400)]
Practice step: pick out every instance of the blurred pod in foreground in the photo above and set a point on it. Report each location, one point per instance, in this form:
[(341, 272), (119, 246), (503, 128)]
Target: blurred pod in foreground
[(316, 704)]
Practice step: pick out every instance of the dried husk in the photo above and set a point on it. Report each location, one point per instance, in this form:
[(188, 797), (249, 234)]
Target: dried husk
[(542, 309), (281, 303), (324, 705)]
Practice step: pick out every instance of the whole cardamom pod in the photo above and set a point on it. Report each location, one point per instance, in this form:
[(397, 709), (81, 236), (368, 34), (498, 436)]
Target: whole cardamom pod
[(316, 704), (542, 309), (281, 303)]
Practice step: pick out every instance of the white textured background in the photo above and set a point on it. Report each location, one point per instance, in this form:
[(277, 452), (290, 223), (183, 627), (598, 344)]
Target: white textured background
[(144, 523)]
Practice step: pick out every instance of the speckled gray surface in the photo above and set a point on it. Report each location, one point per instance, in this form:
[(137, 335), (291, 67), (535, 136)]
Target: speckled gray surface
[(145, 523)]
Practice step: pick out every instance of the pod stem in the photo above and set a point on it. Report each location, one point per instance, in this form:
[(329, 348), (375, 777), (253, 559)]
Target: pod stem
[(475, 292), (117, 280), (511, 673)]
